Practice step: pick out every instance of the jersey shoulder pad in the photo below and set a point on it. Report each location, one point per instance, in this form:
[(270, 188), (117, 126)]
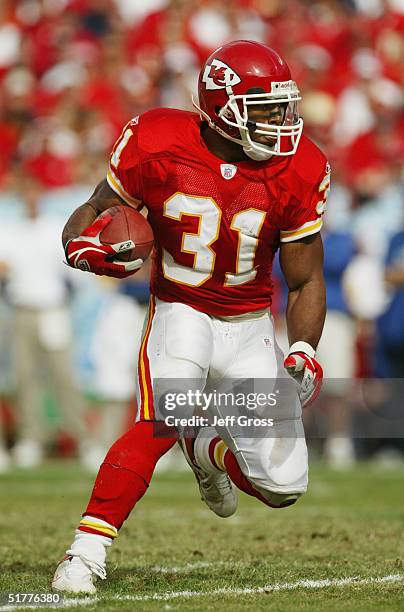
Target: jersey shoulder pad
[(309, 163), (164, 129)]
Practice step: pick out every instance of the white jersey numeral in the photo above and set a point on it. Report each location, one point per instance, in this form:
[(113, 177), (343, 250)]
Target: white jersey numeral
[(248, 223), (116, 155), (324, 188), (197, 244)]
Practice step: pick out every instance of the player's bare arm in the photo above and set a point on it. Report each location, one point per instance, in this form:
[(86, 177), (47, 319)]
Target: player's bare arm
[(102, 199), (302, 266)]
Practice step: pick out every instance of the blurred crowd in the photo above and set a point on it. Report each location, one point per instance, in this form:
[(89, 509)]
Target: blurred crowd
[(72, 73)]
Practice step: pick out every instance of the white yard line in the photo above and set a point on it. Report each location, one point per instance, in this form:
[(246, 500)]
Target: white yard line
[(268, 588), (188, 567), (283, 586)]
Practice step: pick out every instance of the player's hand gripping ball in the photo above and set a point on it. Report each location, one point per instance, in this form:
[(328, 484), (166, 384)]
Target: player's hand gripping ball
[(116, 244)]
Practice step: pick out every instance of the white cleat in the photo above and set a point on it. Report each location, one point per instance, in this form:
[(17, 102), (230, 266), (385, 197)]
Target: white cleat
[(76, 574), (216, 488)]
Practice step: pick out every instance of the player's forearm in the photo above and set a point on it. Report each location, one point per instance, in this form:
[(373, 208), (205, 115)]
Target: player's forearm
[(305, 312), (78, 221), (102, 198)]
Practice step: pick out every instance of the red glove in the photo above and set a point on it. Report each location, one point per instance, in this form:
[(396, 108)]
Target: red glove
[(302, 366), (87, 253)]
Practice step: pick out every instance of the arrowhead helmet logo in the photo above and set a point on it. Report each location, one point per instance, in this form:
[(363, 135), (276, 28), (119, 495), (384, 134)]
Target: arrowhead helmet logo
[(219, 75), (228, 171)]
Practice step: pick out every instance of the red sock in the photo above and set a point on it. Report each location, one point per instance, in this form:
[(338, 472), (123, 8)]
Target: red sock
[(124, 476)]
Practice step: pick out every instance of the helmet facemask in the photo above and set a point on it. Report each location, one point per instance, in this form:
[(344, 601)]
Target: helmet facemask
[(286, 136), (234, 113)]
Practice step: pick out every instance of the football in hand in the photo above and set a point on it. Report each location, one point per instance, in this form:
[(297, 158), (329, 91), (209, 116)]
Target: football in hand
[(128, 224)]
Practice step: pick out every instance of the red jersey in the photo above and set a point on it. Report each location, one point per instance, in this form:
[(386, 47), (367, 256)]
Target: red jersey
[(216, 225)]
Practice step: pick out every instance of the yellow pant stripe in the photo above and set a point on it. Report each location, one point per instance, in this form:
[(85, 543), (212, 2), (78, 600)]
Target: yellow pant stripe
[(144, 373)]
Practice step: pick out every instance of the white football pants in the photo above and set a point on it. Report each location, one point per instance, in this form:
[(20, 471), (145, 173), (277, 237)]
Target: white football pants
[(180, 343)]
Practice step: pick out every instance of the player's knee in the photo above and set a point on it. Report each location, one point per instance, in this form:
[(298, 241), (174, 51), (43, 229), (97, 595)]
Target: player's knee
[(280, 484), (269, 490), (280, 500)]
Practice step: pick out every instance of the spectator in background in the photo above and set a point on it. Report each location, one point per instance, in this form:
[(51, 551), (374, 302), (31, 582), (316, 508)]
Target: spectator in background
[(383, 396), (116, 336), (5, 461), (390, 325), (32, 267), (336, 350)]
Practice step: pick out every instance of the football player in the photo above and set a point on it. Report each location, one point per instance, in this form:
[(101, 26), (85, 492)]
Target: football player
[(224, 189)]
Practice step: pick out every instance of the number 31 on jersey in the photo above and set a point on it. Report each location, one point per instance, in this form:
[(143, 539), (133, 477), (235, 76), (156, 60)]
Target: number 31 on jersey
[(248, 223)]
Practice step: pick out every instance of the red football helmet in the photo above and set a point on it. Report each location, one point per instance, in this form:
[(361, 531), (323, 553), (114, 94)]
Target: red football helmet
[(245, 73)]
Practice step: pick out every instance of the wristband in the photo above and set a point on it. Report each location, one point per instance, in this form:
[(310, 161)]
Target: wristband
[(302, 347)]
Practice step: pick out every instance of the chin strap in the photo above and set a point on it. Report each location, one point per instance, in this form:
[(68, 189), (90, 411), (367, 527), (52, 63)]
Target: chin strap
[(256, 155)]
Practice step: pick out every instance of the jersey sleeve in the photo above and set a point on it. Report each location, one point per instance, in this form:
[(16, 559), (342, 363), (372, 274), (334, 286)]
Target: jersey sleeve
[(124, 174), (304, 218)]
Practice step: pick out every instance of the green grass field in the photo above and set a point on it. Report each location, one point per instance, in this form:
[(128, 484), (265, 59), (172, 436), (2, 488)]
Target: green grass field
[(349, 526)]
